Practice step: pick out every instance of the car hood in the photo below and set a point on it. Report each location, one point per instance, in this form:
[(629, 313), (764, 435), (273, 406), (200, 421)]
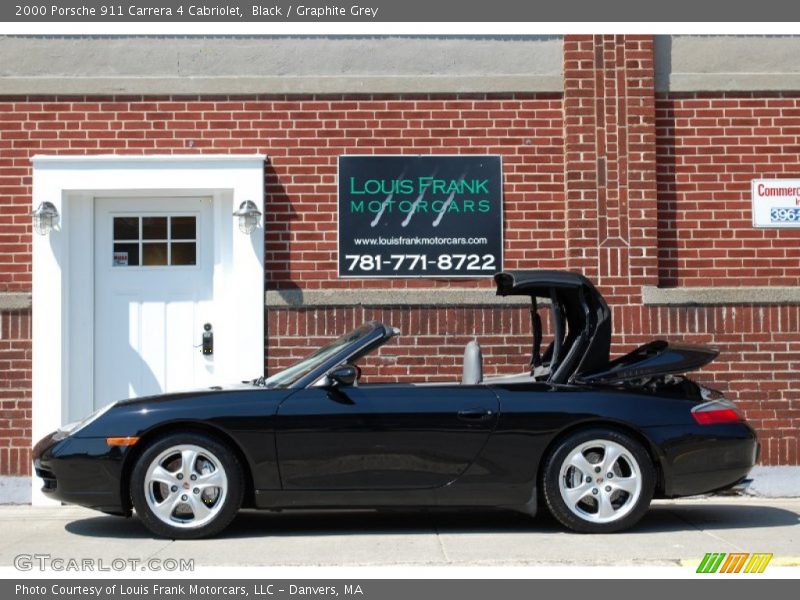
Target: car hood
[(194, 393)]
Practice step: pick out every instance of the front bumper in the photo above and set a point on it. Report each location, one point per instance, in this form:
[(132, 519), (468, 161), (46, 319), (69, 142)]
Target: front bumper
[(82, 471)]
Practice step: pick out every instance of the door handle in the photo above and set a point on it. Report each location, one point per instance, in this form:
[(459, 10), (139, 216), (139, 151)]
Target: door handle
[(208, 340), (475, 414)]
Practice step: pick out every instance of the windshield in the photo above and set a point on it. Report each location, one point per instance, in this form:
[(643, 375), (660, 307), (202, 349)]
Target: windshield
[(288, 376)]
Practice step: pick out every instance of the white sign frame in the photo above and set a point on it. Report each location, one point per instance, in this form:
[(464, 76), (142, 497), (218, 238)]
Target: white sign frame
[(778, 211)]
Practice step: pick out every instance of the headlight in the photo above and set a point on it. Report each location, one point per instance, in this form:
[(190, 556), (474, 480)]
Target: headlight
[(74, 427)]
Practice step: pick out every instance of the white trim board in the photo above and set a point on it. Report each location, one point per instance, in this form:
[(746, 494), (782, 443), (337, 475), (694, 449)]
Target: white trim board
[(132, 160)]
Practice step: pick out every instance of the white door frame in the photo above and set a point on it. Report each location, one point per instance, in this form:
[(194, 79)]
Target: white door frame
[(63, 267)]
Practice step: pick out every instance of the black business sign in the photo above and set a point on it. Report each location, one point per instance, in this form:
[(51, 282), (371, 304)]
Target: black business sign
[(420, 216)]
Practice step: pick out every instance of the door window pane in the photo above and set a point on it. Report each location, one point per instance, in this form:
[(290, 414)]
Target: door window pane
[(126, 255), (184, 253), (182, 228), (154, 254), (126, 228), (154, 228)]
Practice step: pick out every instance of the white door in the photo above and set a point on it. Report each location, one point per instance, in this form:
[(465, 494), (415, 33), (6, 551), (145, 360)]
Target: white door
[(153, 296)]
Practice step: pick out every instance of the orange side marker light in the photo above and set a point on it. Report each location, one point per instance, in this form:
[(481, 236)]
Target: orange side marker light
[(122, 441)]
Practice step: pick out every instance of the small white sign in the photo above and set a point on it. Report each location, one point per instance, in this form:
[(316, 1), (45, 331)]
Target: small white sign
[(120, 259), (776, 202)]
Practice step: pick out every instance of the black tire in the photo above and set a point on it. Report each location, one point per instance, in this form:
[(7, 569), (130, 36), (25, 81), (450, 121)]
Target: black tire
[(218, 455), (621, 509)]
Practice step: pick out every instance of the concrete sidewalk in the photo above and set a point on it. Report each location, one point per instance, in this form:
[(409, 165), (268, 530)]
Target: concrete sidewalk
[(676, 532)]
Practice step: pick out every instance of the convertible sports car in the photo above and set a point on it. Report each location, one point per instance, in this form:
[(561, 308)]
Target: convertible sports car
[(593, 439)]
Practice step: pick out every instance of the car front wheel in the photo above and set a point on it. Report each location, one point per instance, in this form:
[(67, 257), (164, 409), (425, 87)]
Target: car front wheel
[(598, 481), (187, 486)]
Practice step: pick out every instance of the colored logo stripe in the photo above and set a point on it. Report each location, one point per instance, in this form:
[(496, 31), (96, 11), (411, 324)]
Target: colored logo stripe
[(757, 563), (713, 562), (734, 562)]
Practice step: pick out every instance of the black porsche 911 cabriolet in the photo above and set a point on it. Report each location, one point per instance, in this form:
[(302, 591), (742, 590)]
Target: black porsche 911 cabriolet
[(593, 439)]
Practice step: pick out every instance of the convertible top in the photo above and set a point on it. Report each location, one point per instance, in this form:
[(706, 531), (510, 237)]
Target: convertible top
[(581, 328), (580, 320), (538, 283)]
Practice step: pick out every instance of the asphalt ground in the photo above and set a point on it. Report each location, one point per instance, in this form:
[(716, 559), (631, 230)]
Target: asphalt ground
[(673, 533)]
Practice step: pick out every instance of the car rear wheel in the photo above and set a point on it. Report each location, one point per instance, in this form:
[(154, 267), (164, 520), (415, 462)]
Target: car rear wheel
[(598, 481), (187, 486)]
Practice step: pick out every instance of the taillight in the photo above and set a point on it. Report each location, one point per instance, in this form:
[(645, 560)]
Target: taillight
[(716, 412)]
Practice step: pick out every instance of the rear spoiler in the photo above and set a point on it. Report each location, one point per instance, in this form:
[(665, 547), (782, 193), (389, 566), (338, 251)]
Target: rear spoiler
[(651, 360)]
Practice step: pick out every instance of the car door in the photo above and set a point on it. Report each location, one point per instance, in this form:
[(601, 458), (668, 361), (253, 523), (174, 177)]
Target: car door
[(380, 437)]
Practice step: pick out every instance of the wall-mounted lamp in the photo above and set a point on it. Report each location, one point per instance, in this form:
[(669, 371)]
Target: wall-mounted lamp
[(249, 216), (45, 218)]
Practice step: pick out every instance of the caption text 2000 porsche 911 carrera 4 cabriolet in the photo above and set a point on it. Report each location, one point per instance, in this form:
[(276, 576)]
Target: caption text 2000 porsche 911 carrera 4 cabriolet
[(593, 439)]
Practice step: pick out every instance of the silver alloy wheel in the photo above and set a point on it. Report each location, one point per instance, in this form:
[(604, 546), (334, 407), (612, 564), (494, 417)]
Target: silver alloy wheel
[(600, 481), (186, 486)]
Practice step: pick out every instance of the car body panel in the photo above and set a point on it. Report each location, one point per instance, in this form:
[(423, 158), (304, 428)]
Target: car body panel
[(308, 440), (382, 436), (495, 466), (242, 414), (82, 471)]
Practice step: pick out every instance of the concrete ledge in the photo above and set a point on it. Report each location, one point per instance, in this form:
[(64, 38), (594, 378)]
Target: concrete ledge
[(297, 298), (279, 64), (732, 82), (15, 301), (692, 63), (15, 490), (687, 296), (775, 482)]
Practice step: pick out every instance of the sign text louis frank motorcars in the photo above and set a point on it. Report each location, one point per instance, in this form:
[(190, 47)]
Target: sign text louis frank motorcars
[(776, 202), (420, 216)]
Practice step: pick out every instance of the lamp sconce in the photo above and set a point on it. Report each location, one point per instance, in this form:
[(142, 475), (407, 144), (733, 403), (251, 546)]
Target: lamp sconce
[(249, 216), (45, 218)]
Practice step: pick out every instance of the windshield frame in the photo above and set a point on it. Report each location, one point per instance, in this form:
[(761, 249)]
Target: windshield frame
[(374, 334)]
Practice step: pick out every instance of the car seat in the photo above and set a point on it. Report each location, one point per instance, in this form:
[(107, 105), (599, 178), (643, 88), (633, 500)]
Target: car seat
[(472, 373)]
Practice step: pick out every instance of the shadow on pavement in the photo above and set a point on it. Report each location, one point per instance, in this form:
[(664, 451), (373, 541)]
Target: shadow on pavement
[(250, 523), (710, 515)]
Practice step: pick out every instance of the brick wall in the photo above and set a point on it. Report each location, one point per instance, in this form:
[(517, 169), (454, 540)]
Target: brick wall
[(15, 392), (15, 204), (609, 122), (609, 178), (709, 147), (15, 276)]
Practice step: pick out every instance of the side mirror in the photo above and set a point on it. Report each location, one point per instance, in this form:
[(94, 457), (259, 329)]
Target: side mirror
[(344, 374)]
